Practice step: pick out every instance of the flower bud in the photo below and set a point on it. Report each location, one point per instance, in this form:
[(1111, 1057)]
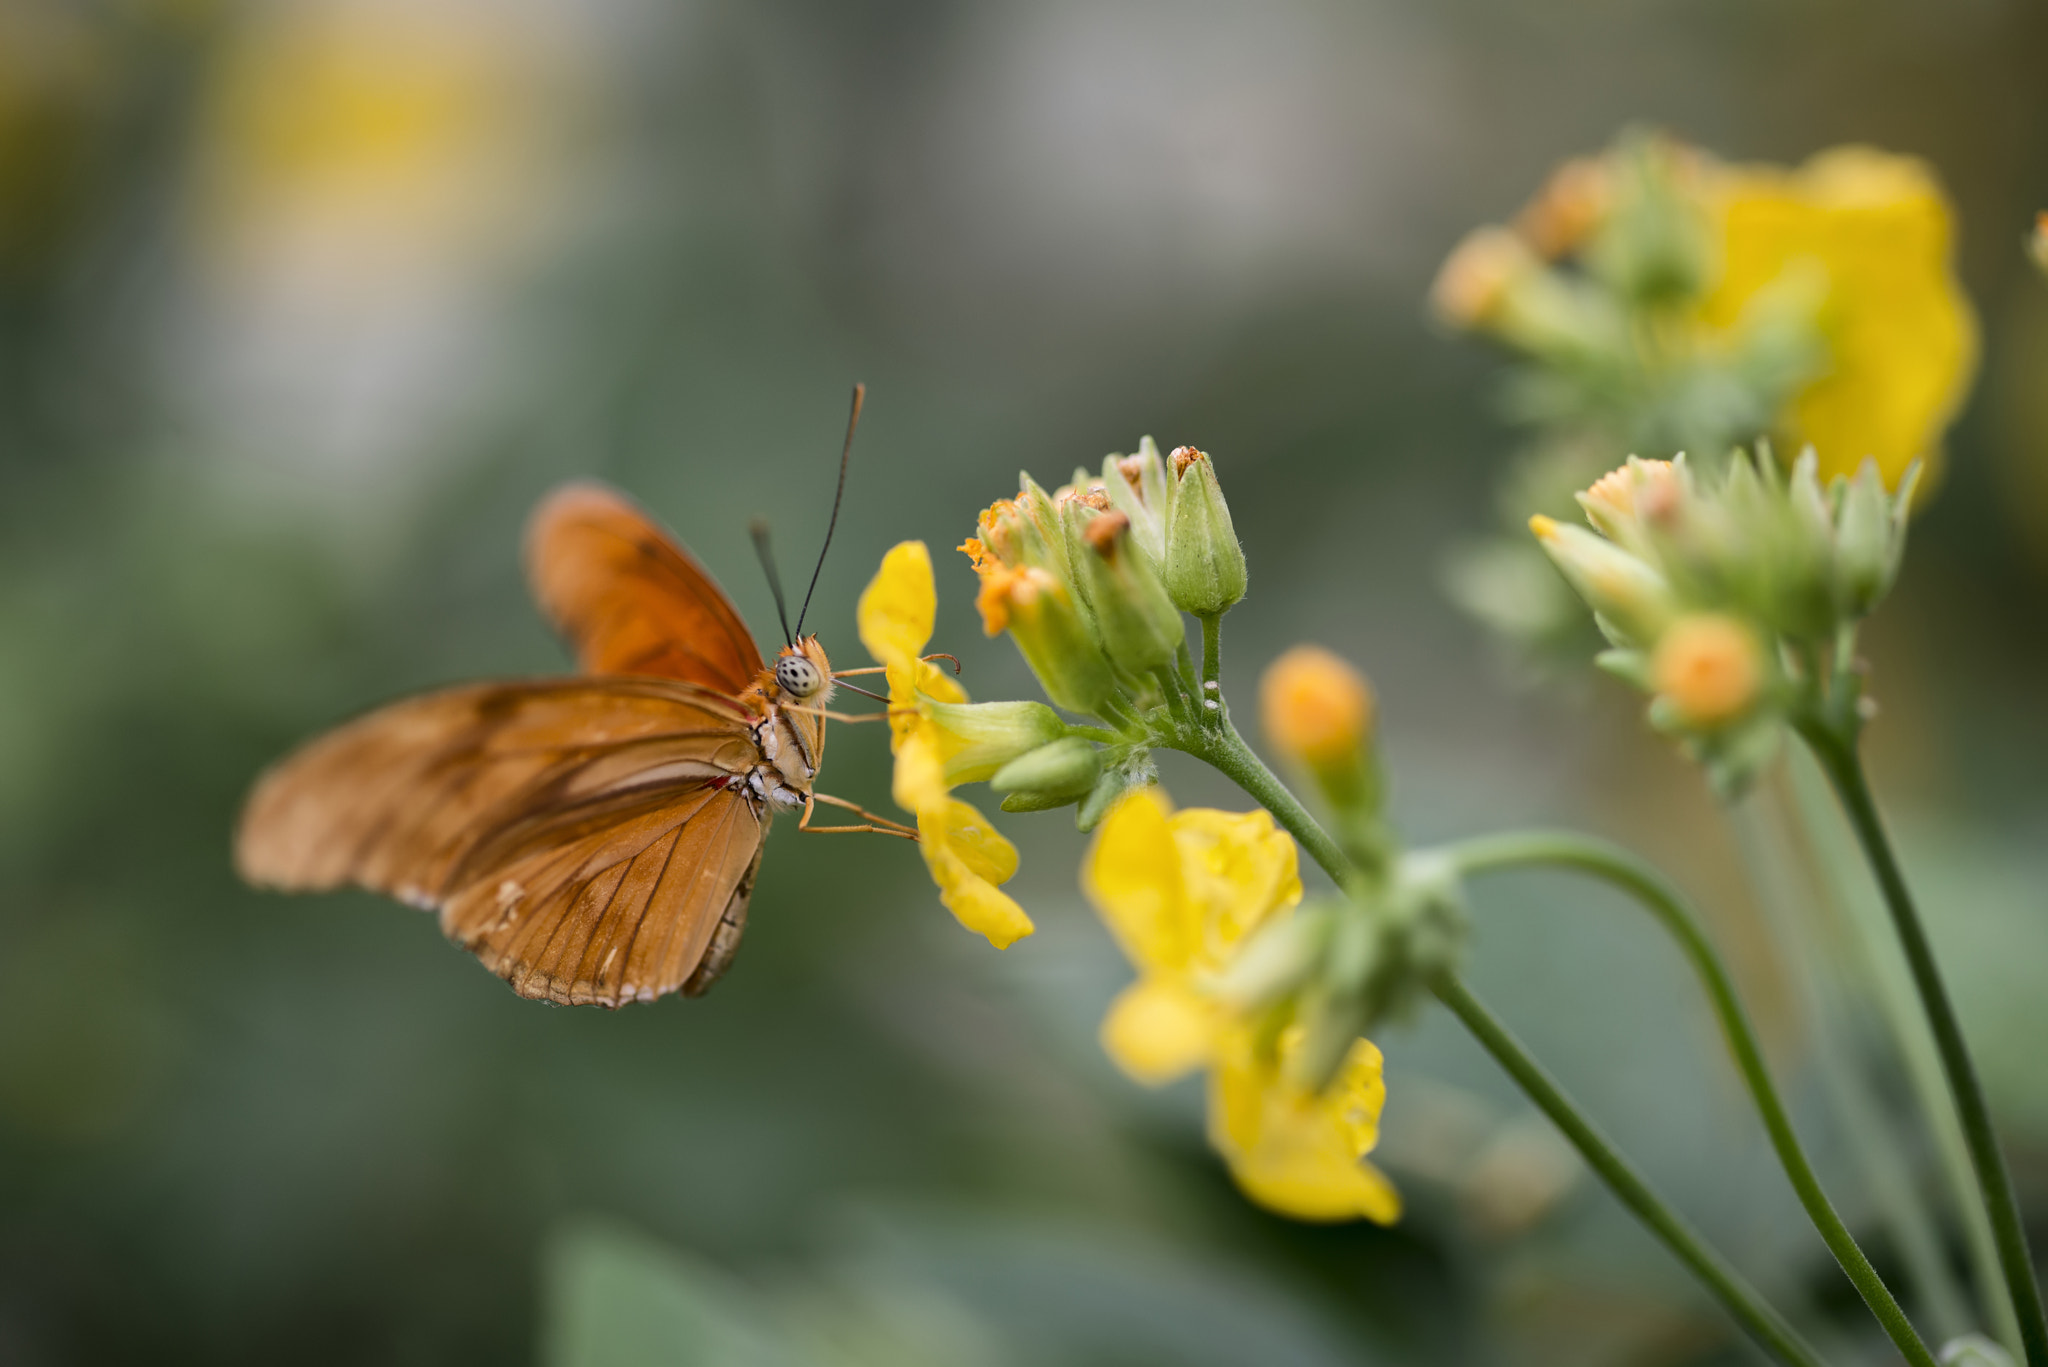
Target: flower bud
[(1569, 208), (1204, 570), (1870, 537), (1055, 639), (1626, 502), (1629, 596), (2037, 245), (1973, 1350), (1140, 626), (1315, 708), (1276, 962), (1066, 769), (1473, 286), (977, 739), (1710, 669), (1044, 514), (1117, 781), (1138, 488)]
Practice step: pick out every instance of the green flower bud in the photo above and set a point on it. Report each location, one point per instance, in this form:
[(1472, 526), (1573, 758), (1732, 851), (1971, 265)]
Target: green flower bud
[(1380, 958), (1141, 628), (1049, 537), (1631, 599), (1134, 771), (1204, 569), (1870, 537), (1066, 768), (1138, 488), (1056, 641), (1973, 1350), (1277, 962), (1654, 244), (982, 737)]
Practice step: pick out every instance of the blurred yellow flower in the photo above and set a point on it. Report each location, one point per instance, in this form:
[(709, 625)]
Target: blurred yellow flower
[(1314, 707), (1295, 1152), (967, 856), (1901, 335), (1181, 892), (380, 138)]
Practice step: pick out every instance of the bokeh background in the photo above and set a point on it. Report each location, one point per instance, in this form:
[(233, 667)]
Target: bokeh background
[(302, 305)]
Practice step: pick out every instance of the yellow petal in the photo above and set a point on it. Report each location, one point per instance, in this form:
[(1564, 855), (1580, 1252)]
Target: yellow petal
[(1237, 869), (979, 845), (1158, 1029), (919, 784), (1295, 1152), (967, 857), (1900, 332), (899, 605), (938, 684), (1133, 876), (1316, 1188)]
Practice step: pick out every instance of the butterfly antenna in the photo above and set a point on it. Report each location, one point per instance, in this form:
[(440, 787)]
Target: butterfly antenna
[(860, 393), (759, 530)]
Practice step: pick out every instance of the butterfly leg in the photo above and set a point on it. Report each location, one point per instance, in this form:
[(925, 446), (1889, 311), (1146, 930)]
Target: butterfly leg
[(882, 825), (834, 716), (877, 669)]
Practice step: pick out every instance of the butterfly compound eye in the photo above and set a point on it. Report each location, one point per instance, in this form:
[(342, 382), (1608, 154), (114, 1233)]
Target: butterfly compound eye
[(797, 676)]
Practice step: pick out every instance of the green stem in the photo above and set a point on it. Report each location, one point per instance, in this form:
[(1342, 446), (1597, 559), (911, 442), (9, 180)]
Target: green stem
[(1842, 763), (1741, 1300), (1226, 751), (1174, 692), (1213, 667), (1891, 986), (1798, 927), (1562, 849)]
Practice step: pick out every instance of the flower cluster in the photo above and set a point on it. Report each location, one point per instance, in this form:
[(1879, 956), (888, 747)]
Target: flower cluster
[(1090, 581), (1660, 300), (1725, 598)]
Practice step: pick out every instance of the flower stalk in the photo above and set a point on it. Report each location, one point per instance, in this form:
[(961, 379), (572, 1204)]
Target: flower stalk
[(1831, 732), (1225, 750), (1560, 849)]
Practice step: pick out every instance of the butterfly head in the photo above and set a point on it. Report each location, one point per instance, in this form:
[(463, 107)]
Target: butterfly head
[(803, 673)]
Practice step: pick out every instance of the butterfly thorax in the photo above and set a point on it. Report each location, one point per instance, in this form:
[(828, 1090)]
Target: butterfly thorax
[(789, 697)]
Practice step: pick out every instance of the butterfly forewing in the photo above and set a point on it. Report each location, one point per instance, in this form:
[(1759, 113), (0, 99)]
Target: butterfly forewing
[(583, 836), (629, 598)]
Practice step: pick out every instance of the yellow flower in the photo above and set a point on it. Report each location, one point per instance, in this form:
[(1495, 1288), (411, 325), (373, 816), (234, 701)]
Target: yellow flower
[(966, 855), (1181, 891), (1296, 1152), (1901, 336)]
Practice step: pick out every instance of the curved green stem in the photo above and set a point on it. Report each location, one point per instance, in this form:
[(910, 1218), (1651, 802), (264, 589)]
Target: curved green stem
[(1562, 849), (1741, 1300), (1223, 749), (1226, 751), (1842, 763)]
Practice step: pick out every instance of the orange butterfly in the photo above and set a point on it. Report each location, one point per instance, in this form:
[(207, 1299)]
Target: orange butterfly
[(591, 839)]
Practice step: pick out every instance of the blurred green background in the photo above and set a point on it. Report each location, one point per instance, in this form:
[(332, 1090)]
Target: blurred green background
[(303, 304)]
